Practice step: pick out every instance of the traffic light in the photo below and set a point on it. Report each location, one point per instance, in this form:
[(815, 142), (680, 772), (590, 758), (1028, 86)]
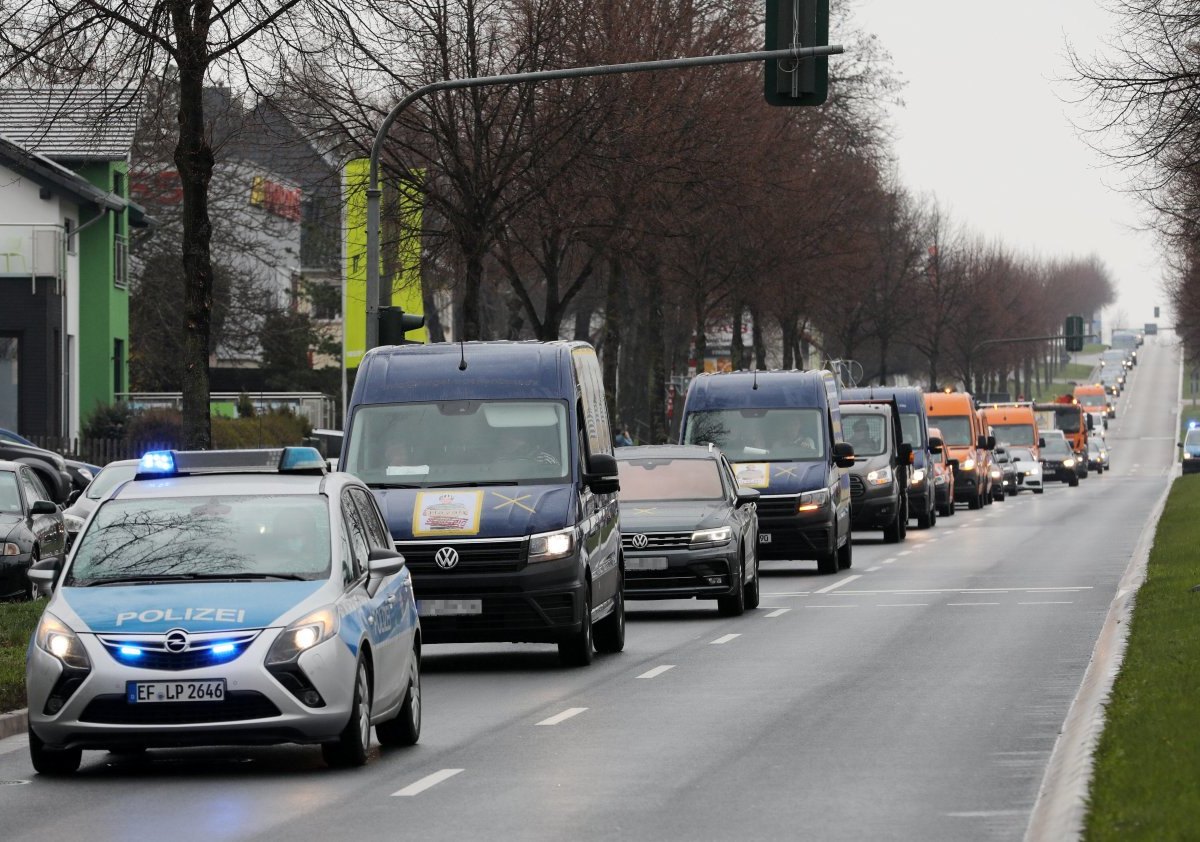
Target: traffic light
[(799, 81), (1073, 331), (394, 323)]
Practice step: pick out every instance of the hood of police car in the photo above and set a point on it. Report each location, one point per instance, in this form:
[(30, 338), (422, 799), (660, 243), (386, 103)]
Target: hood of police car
[(192, 606), (500, 511)]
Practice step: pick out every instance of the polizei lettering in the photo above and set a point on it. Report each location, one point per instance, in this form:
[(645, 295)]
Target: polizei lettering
[(198, 615)]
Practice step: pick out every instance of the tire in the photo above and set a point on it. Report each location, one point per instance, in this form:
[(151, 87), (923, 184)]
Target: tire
[(405, 729), (32, 591), (753, 591), (53, 762), (1074, 483), (351, 746), (577, 650), (975, 502), (734, 605), (610, 632), (1039, 491), (894, 532), (830, 562), (926, 520), (845, 555)]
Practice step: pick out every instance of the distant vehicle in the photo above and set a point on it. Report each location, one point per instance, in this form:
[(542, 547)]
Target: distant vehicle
[(1028, 468), (963, 434), (1124, 339), (943, 474), (1008, 471), (687, 529), (1066, 416), (1190, 450), (1117, 357), (782, 431), (1097, 455), (1013, 424), (31, 529), (1095, 400), (879, 478), (1058, 462), (989, 463), (1151, 328), (81, 472)]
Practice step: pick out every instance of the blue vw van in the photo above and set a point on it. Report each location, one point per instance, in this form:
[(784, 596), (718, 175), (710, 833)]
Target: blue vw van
[(493, 465), (914, 424), (782, 430)]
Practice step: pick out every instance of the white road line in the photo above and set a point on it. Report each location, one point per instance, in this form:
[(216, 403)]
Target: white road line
[(657, 671), (882, 592), (831, 606), (972, 603), (562, 717), (788, 593), (1046, 603), (888, 560), (725, 638), (903, 554), (900, 604), (426, 782), (779, 612), (873, 569), (839, 583)]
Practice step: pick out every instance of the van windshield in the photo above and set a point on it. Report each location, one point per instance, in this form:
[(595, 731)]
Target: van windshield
[(760, 435), (1091, 399), (447, 443), (1015, 434), (956, 430), (910, 430)]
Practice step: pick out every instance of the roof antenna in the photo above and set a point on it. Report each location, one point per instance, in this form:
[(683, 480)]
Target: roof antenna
[(755, 386), (462, 356)]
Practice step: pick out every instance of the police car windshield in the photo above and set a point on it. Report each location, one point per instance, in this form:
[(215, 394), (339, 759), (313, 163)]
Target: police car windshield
[(447, 443), (224, 537), (760, 435), (645, 480)]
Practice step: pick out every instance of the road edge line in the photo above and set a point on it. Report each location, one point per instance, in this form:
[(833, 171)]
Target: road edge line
[(1061, 804), (12, 724)]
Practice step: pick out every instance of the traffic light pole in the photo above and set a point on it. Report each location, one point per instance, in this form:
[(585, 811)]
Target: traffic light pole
[(377, 296)]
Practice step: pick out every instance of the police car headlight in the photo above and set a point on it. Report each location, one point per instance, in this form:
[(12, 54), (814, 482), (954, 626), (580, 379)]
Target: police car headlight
[(73, 522), (711, 537), (918, 476), (303, 634), (551, 545), (55, 637), (881, 477)]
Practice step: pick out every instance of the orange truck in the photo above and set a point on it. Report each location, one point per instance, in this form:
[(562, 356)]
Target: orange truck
[(1066, 414), (1014, 425), (1095, 401), (966, 443)]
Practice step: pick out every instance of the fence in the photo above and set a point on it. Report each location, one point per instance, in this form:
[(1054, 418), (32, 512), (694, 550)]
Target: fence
[(98, 451)]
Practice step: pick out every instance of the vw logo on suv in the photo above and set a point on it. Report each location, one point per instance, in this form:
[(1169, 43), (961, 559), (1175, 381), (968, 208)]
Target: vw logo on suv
[(446, 557), (640, 542), (176, 641)]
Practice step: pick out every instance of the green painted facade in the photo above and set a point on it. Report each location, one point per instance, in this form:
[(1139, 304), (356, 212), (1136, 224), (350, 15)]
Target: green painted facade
[(103, 305)]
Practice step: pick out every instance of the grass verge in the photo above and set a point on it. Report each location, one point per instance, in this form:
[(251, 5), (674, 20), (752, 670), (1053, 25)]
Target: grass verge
[(1144, 786), (17, 620), (1094, 348)]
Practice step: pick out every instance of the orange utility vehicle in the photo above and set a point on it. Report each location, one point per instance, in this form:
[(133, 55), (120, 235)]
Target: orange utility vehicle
[(966, 442), (1014, 425), (1066, 414), (1095, 401)]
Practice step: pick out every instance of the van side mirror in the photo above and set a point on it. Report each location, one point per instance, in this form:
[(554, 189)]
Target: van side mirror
[(601, 474), (43, 507), (746, 496), (991, 442), (1041, 442), (905, 454), (981, 442), (935, 444), (843, 454)]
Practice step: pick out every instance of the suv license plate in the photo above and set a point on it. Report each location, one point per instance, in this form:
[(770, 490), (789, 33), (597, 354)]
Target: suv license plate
[(764, 537), (450, 607), (646, 563), (140, 692)]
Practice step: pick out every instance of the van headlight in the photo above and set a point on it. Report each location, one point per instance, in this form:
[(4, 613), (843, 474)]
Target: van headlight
[(1068, 462), (967, 465), (56, 638), (551, 545), (880, 477), (711, 537), (302, 635), (810, 501), (918, 476)]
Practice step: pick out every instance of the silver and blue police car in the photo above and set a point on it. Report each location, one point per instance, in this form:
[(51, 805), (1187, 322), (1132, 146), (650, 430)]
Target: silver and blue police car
[(228, 598)]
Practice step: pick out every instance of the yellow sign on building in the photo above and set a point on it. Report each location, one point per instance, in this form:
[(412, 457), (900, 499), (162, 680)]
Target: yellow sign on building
[(400, 254)]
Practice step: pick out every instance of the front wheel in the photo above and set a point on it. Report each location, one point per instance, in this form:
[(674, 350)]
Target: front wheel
[(352, 745), (828, 563), (610, 632), (34, 592), (734, 605), (753, 592), (405, 729), (53, 761), (1074, 482), (577, 650), (845, 555), (1039, 491)]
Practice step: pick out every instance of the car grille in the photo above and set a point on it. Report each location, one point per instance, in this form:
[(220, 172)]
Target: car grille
[(237, 706), (784, 506), (857, 487), (509, 612), (657, 541), (484, 557), (685, 578), (155, 656)]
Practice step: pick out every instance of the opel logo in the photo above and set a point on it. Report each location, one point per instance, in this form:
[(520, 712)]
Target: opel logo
[(446, 558), (177, 641), (640, 542)]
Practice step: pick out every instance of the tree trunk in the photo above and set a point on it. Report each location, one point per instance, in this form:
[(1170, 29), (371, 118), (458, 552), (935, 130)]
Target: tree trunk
[(657, 392), (788, 329), (194, 159), (883, 362), (471, 311), (737, 351), (760, 345), (610, 340), (583, 323)]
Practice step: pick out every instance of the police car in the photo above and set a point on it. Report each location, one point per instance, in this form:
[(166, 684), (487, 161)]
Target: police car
[(228, 598)]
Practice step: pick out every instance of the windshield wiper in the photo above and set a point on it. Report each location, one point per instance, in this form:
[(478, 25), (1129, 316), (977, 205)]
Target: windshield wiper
[(392, 485), (477, 484), (166, 579)]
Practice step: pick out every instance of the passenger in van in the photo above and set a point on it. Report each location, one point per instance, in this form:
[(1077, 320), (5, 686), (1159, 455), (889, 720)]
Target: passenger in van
[(861, 438), (401, 458), (522, 444)]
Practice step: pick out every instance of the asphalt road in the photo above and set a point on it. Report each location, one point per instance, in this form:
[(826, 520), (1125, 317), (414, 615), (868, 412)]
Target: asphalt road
[(915, 696)]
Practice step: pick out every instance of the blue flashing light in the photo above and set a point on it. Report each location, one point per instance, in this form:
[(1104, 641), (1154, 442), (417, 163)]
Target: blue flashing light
[(130, 652), (223, 649), (301, 459), (1193, 424), (157, 462)]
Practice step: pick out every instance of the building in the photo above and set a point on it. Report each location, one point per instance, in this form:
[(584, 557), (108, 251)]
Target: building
[(65, 217)]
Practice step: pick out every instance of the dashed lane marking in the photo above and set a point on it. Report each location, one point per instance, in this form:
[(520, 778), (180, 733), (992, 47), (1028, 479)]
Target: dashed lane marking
[(831, 606), (873, 569), (972, 603), (725, 638), (657, 671), (779, 612), (417, 787), (903, 554), (562, 717), (900, 604), (788, 593), (839, 583), (1068, 602)]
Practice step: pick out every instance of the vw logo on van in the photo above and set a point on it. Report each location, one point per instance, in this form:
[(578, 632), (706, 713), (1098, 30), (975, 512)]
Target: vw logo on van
[(640, 542), (446, 557), (176, 641)]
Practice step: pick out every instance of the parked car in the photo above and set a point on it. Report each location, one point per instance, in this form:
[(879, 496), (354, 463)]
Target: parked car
[(82, 505), (687, 529), (81, 472), (49, 467), (943, 474), (1028, 468), (1190, 450), (31, 529)]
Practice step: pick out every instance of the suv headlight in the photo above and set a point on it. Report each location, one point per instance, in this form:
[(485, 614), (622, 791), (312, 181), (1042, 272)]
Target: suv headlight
[(810, 501), (881, 477), (53, 636), (711, 537), (1068, 462), (968, 464), (551, 545), (918, 476), (311, 629)]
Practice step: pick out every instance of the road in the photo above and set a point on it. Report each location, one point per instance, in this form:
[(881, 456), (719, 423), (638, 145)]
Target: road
[(915, 696)]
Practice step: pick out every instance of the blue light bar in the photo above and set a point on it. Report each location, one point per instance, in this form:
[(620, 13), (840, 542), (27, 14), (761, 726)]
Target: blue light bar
[(130, 652), (302, 459), (157, 462), (1193, 424), (223, 648)]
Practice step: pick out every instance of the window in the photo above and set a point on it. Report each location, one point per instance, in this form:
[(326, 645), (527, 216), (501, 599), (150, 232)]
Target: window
[(120, 261), (376, 531), (670, 479), (760, 435), (10, 365), (34, 490), (69, 234), (118, 365), (867, 433), (358, 535)]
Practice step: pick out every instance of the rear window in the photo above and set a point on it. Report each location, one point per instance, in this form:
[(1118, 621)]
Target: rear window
[(669, 479)]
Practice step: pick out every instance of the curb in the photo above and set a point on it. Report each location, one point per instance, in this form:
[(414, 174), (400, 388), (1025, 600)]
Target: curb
[(14, 723), (1062, 798)]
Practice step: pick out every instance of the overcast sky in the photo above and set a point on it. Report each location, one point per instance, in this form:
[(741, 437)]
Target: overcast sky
[(986, 126)]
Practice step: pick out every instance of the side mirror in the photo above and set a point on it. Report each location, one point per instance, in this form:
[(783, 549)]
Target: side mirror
[(745, 496), (601, 474), (44, 574), (43, 507), (843, 454), (73, 496), (991, 442), (1091, 424), (953, 463), (904, 454), (981, 442), (1041, 442), (936, 444), (382, 563)]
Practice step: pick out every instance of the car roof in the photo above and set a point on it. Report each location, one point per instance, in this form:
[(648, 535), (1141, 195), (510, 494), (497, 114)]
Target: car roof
[(208, 485), (867, 409), (9, 466), (667, 451)]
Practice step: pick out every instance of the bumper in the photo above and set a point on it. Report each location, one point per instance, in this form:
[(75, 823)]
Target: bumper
[(1058, 473), (873, 512), (1191, 466), (257, 709), (966, 487), (1030, 481), (797, 538), (688, 574), (13, 581)]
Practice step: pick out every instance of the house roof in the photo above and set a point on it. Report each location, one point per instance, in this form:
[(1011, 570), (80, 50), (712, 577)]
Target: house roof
[(71, 122), (47, 173)]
